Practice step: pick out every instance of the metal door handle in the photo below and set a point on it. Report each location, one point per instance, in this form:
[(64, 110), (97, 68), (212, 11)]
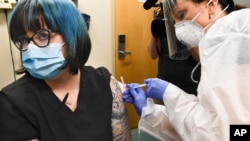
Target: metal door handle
[(121, 47), (124, 52)]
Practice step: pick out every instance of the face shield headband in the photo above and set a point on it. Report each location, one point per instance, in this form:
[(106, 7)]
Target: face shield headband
[(176, 51)]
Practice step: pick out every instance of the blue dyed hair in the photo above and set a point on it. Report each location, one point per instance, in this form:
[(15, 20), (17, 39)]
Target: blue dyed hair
[(60, 16)]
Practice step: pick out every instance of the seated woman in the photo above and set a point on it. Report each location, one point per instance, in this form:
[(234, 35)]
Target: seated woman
[(58, 98)]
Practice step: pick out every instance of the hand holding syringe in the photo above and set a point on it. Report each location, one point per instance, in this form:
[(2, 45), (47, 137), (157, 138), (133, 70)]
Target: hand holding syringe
[(134, 94)]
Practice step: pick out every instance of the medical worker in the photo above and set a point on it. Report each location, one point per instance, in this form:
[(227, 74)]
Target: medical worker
[(223, 92)]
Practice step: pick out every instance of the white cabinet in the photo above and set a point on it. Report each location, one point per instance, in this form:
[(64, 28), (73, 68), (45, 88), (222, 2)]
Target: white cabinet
[(6, 63), (9, 55)]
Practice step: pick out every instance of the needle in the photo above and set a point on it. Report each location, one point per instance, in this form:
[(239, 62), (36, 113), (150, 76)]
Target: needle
[(140, 85), (137, 86)]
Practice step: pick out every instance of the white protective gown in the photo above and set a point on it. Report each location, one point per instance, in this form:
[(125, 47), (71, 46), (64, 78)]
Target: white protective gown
[(223, 92)]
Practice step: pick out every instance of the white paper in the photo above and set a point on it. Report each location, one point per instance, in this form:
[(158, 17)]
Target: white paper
[(141, 0)]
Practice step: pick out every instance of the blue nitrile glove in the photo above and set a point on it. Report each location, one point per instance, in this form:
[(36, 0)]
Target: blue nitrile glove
[(155, 88), (135, 96)]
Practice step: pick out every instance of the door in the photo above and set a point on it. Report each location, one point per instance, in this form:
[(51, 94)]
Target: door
[(132, 25)]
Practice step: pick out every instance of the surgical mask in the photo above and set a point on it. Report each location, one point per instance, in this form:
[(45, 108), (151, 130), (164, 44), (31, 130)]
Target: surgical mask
[(189, 33), (44, 63)]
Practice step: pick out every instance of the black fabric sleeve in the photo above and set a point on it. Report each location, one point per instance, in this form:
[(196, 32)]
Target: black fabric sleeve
[(104, 71), (13, 125)]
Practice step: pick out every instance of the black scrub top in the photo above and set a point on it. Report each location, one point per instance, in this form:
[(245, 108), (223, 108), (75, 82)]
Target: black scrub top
[(29, 109), (178, 72)]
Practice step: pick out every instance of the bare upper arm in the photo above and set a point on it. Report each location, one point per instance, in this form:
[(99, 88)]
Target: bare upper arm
[(153, 45), (120, 122)]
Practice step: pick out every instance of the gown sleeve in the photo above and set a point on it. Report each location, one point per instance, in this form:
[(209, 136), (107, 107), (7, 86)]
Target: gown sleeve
[(177, 120)]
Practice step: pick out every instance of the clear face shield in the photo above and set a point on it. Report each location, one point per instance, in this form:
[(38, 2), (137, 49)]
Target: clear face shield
[(177, 50)]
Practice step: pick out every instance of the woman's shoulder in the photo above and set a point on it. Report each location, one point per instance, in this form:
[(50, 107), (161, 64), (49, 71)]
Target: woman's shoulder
[(99, 70), (242, 11), (91, 72), (21, 88), (19, 83), (243, 14)]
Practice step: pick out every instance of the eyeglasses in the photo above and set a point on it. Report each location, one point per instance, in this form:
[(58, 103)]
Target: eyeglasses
[(41, 38)]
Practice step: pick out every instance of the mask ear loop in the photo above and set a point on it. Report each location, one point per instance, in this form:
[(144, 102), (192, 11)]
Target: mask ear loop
[(198, 14), (192, 73)]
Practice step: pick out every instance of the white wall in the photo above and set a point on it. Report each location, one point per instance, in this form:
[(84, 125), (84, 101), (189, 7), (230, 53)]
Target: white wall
[(101, 31)]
